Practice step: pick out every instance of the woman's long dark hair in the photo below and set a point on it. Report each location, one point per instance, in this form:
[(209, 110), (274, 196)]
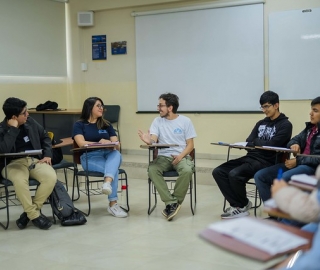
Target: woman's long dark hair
[(87, 112)]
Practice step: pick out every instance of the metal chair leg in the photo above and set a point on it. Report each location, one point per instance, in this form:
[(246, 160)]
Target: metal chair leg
[(151, 187), (75, 180), (191, 200), (5, 226)]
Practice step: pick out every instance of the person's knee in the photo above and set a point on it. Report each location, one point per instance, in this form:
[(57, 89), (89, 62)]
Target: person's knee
[(216, 172), (187, 172), (152, 170), (233, 174), (116, 155), (257, 177)]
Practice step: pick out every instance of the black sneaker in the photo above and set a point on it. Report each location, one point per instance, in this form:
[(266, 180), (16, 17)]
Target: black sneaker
[(42, 222), (272, 218), (166, 210), (23, 221), (172, 210)]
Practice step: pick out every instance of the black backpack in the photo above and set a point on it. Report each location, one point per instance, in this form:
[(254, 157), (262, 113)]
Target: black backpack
[(63, 207)]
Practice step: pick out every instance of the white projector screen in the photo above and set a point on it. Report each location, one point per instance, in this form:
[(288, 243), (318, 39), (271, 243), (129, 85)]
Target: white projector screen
[(212, 59), (294, 53)]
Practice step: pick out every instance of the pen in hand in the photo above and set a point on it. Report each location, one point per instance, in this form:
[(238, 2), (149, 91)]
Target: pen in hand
[(279, 176)]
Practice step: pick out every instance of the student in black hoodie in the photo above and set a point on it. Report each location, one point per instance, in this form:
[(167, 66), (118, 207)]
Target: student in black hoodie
[(306, 142), (231, 177)]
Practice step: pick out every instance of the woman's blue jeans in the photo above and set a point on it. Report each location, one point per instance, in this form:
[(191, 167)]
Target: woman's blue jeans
[(105, 161)]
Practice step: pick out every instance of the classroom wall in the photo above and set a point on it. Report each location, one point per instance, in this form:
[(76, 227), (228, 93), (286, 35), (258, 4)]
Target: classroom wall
[(114, 80)]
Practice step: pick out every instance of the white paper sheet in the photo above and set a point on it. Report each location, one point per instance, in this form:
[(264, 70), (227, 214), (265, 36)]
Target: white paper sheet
[(277, 148), (305, 179), (239, 144), (260, 235)]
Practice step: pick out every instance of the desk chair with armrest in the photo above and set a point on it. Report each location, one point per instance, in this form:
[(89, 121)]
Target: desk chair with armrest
[(91, 185), (170, 177), (254, 193), (112, 113), (5, 197)]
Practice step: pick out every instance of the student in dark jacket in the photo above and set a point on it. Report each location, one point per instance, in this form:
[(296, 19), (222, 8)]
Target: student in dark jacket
[(306, 142), (19, 133), (231, 177)]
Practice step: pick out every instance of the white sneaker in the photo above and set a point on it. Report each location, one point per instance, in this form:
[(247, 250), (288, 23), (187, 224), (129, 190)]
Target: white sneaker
[(247, 207), (117, 211), (106, 188), (234, 212)]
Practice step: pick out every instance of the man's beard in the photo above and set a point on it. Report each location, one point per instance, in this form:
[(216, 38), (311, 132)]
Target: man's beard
[(164, 116)]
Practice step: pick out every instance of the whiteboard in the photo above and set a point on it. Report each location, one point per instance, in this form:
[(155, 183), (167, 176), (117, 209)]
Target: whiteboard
[(212, 59), (294, 53)]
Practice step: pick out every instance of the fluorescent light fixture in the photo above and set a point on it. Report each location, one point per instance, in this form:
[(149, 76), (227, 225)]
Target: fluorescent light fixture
[(62, 1), (4, 79), (198, 7), (314, 36)]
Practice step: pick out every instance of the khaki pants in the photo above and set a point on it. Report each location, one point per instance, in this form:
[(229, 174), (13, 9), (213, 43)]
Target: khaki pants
[(19, 174), (185, 170)]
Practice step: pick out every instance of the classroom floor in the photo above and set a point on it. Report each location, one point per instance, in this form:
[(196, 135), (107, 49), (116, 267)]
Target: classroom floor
[(137, 242)]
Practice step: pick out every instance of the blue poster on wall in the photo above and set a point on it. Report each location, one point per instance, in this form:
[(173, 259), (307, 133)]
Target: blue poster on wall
[(99, 47), (119, 47)]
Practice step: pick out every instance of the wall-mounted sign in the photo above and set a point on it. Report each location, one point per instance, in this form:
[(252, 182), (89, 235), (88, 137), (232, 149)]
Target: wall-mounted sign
[(99, 47), (119, 47)]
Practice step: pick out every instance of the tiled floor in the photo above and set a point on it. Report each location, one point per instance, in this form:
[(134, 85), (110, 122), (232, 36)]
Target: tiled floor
[(137, 242)]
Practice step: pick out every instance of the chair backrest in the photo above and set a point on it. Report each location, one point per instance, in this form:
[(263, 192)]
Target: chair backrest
[(111, 113), (76, 154)]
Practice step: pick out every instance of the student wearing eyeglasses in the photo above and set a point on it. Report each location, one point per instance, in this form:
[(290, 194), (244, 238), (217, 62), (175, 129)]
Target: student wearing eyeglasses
[(93, 128), (171, 128), (231, 177), (307, 142), (18, 133)]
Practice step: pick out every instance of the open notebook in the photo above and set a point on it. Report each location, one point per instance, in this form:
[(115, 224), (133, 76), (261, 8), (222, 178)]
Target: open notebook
[(258, 239), (304, 179)]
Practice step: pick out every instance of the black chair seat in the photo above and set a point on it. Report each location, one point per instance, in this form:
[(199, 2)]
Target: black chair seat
[(90, 173), (170, 174), (63, 165), (8, 183)]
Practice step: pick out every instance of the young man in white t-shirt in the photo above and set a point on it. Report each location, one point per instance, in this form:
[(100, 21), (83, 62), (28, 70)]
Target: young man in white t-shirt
[(171, 128)]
